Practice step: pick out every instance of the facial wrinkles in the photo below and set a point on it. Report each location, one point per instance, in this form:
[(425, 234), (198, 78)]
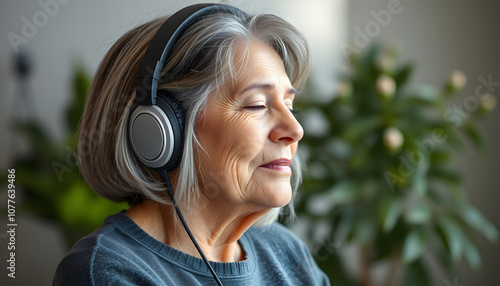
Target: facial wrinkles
[(261, 151), (276, 106), (239, 159), (253, 187), (231, 157), (239, 137)]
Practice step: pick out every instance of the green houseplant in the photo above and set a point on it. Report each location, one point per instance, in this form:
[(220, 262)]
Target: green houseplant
[(378, 176), (48, 176)]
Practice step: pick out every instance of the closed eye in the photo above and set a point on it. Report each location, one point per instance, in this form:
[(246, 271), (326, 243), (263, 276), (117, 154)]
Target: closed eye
[(255, 107)]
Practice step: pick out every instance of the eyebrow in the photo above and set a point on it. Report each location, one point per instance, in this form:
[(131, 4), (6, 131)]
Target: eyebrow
[(266, 86)]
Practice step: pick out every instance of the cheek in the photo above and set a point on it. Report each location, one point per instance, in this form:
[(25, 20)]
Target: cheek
[(232, 135), (231, 142)]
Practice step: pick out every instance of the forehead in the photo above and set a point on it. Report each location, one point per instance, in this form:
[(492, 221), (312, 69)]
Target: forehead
[(259, 64)]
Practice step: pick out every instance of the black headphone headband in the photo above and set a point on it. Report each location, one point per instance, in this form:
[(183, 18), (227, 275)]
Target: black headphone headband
[(162, 43), (156, 123)]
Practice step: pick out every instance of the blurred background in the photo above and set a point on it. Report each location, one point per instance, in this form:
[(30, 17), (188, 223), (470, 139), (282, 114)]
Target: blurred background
[(386, 74)]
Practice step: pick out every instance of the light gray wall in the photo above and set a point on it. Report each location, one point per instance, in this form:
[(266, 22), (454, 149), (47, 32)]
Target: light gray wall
[(441, 36), (80, 32)]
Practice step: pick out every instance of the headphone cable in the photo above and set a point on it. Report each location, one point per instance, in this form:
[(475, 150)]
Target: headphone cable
[(166, 180)]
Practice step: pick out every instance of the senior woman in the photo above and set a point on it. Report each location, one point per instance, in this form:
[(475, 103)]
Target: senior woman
[(225, 82)]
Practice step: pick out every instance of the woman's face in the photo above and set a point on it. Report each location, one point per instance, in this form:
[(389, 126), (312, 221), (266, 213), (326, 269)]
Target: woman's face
[(249, 135)]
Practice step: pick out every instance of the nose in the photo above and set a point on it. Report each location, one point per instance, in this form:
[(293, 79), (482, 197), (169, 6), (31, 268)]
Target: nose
[(287, 129)]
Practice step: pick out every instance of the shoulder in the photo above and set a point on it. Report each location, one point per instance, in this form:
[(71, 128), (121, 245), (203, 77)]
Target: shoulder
[(104, 255)]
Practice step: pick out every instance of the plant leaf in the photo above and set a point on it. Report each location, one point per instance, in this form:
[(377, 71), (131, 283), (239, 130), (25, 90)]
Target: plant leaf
[(402, 74), (476, 136), (454, 237), (418, 213), (425, 93), (343, 192), (391, 210), (472, 254), (416, 275), (477, 221), (359, 127), (413, 246)]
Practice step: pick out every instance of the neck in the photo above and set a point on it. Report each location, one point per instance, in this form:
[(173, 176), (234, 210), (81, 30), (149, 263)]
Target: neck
[(215, 227)]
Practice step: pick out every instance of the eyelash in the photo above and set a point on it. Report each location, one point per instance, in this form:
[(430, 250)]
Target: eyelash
[(259, 107), (256, 107)]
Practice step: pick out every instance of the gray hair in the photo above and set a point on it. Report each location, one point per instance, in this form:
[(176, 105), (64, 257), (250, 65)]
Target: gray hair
[(201, 63)]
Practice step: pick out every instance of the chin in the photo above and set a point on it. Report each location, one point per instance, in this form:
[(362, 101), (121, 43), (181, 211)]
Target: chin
[(279, 196)]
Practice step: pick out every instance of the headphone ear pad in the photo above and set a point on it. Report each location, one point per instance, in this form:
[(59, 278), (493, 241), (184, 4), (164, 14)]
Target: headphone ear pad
[(175, 115)]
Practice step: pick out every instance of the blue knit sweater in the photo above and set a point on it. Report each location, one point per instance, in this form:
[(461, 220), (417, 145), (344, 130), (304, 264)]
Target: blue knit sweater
[(121, 253)]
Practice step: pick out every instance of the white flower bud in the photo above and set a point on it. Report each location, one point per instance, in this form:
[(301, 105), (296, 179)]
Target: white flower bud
[(458, 79), (393, 138), (386, 85), (345, 89), (385, 62), (488, 102)]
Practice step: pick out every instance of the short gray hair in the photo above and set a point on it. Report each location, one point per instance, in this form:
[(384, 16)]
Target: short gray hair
[(201, 63)]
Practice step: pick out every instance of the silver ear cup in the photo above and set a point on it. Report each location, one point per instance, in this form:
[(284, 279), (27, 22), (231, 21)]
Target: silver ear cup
[(151, 136)]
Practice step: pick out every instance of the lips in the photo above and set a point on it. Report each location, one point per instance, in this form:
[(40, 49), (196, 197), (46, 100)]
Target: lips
[(279, 165)]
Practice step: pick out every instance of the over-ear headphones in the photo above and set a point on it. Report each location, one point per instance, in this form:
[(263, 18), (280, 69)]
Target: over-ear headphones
[(156, 123)]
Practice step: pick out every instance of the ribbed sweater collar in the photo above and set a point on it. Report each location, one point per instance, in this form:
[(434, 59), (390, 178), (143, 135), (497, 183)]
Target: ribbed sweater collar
[(128, 227)]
